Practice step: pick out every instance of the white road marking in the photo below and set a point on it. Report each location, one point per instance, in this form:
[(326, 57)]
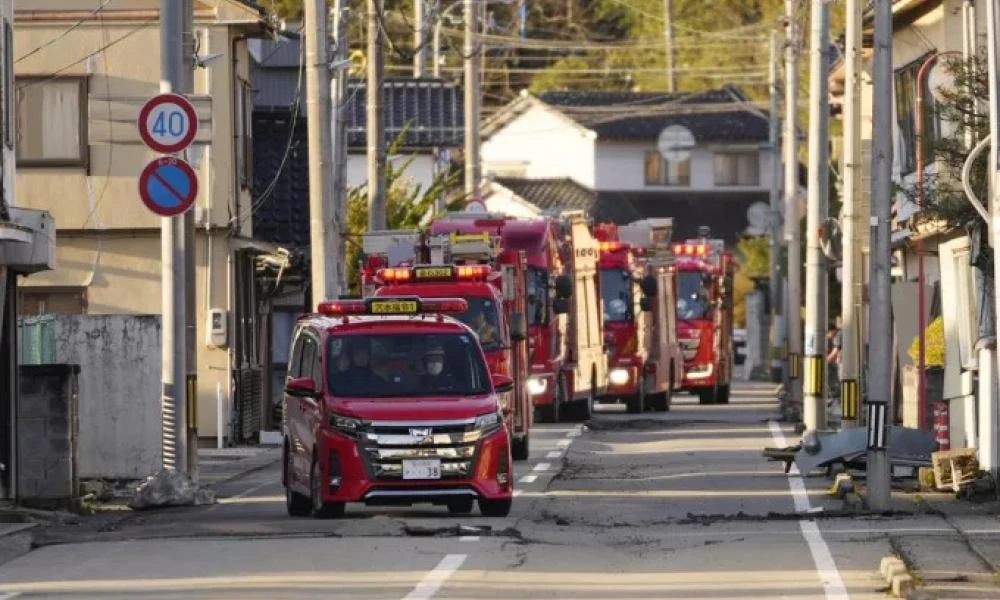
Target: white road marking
[(9, 595), (469, 538), (542, 467), (564, 443), (517, 493), (574, 433), (826, 567), (433, 581), (554, 454), (528, 478)]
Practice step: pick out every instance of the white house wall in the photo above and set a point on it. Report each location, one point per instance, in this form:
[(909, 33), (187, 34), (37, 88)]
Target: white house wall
[(620, 167), (545, 144)]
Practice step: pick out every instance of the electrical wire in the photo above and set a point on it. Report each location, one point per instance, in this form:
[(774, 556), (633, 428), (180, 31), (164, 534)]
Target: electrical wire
[(62, 35), (55, 74)]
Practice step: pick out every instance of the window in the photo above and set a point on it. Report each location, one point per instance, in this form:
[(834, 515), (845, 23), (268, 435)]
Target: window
[(8, 85), (616, 294), (53, 301), (244, 132), (51, 121), (736, 168), (906, 117), (660, 171)]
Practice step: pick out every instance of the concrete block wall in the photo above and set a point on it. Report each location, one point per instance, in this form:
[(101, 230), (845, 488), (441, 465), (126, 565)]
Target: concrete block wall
[(47, 435)]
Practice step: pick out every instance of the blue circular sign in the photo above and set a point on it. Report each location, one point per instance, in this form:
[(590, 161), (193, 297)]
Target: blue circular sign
[(168, 186)]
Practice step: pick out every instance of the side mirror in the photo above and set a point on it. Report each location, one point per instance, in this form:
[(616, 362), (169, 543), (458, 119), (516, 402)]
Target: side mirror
[(564, 286), (301, 387), (518, 327), (648, 285), (646, 303), (560, 306), (502, 383)]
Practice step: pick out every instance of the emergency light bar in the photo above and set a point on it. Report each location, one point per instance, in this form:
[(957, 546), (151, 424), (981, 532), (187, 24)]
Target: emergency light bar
[(690, 249), (434, 273), (613, 246), (393, 305)]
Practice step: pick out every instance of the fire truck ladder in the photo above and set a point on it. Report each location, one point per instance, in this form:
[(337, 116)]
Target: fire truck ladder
[(396, 245), (470, 247)]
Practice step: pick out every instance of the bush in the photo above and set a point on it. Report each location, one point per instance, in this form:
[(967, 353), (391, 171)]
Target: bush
[(933, 345)]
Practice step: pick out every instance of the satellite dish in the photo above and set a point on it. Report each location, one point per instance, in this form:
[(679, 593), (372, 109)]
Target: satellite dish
[(759, 216), (675, 142)]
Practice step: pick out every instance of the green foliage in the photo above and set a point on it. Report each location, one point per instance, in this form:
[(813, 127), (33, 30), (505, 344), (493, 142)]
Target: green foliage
[(933, 345), (406, 204), (753, 260)]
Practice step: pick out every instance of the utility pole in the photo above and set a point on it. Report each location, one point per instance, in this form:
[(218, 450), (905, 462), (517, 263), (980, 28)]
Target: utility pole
[(793, 238), (338, 135), (880, 312), (419, 38), (668, 37), (774, 135), (993, 62), (190, 245), (376, 124), (850, 390), (173, 257), (321, 230), (813, 388), (473, 167)]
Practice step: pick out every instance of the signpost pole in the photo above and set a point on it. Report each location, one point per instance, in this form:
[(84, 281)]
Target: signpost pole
[(174, 369)]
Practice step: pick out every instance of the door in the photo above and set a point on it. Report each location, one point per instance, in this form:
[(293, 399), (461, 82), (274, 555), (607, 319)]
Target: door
[(292, 411), (311, 407)]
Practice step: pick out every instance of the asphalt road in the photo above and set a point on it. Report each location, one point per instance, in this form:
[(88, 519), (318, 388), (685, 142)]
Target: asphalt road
[(664, 506)]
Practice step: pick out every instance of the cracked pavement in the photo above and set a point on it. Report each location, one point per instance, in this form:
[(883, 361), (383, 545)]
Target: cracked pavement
[(674, 505)]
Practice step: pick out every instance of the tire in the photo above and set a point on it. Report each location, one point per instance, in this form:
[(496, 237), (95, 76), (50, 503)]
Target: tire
[(320, 509), (722, 395), (706, 396), (560, 401), (462, 506), (636, 403), (520, 448), (583, 410), (296, 504), (495, 508)]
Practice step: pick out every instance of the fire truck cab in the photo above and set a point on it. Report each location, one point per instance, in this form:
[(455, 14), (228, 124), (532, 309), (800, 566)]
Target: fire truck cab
[(463, 265), (705, 317), (389, 401)]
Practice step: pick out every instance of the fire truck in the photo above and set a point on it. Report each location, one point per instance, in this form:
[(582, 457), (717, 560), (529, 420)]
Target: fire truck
[(637, 288), (566, 355), (389, 401), (705, 317), (467, 266)]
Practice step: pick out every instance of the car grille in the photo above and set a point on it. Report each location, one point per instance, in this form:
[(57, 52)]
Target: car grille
[(386, 444), (689, 347)]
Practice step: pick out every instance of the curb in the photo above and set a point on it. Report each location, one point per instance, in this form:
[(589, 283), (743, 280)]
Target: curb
[(260, 466), (16, 542), (897, 576)]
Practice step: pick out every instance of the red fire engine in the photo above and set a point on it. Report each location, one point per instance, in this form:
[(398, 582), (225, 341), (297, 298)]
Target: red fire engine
[(637, 289), (467, 266), (705, 317), (567, 363), (389, 401)]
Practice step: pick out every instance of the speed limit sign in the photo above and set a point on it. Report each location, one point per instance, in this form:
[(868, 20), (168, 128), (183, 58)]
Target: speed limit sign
[(168, 123)]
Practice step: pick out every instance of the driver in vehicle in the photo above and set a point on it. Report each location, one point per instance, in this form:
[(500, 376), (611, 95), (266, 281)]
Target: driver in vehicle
[(434, 376), (488, 334)]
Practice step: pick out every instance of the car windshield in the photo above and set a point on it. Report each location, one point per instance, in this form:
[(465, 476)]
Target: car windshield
[(399, 365), (692, 296), (482, 317), (616, 292), (538, 295)]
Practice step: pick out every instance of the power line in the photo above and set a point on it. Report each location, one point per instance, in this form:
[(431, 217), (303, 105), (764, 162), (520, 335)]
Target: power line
[(38, 49)]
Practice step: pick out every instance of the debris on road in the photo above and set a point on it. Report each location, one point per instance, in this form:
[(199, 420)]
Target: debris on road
[(170, 488)]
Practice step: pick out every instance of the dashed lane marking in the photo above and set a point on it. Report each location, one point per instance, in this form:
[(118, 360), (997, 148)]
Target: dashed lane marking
[(433, 581), (542, 467), (528, 478), (554, 454)]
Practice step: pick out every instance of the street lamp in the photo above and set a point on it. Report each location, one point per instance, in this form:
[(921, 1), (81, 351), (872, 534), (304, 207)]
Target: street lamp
[(924, 70)]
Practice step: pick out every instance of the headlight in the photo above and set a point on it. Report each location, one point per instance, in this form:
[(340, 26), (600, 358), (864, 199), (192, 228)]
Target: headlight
[(488, 422), (618, 376), (536, 385), (348, 425)]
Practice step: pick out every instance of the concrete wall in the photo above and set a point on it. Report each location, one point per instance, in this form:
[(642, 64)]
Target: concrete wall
[(419, 172), (620, 166), (119, 402), (47, 435)]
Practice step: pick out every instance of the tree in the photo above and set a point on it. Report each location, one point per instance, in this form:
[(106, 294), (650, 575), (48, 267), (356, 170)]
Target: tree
[(753, 260), (407, 206)]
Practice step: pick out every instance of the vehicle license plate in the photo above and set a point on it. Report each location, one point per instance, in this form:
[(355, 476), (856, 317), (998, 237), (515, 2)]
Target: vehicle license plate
[(422, 469)]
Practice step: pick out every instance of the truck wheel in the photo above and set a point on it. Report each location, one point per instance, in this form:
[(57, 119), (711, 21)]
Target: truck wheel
[(520, 448), (296, 504), (636, 403), (495, 508), (583, 410), (722, 396), (559, 402), (320, 509), (461, 506), (706, 396)]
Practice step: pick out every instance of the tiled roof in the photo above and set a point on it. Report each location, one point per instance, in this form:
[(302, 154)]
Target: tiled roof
[(636, 116), (563, 193)]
